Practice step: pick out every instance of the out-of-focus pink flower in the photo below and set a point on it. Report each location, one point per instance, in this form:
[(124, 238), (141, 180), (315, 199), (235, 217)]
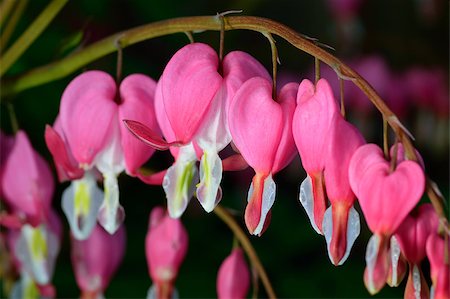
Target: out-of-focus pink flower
[(192, 101), (262, 131), (344, 9), (429, 88), (412, 235), (91, 113), (386, 197), (27, 181), (166, 246), (233, 279), (440, 269), (96, 259), (341, 225), (316, 108)]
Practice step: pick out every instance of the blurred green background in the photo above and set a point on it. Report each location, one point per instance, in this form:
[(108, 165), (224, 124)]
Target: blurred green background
[(293, 254)]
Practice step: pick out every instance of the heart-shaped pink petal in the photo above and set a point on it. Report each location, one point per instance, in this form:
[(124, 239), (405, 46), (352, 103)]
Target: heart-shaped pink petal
[(256, 123), (86, 111), (188, 84), (137, 93), (387, 197)]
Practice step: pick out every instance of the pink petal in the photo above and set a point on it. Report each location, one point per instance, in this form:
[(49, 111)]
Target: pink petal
[(286, 149), (27, 180), (86, 111), (189, 83), (362, 160), (435, 249), (387, 198), (344, 140), (137, 93), (238, 67), (96, 259), (152, 179), (377, 264), (233, 279), (414, 231), (66, 166), (316, 107), (234, 163), (256, 123)]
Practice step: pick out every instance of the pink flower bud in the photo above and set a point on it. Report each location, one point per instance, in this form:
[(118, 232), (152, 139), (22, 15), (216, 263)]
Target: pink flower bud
[(233, 279), (96, 259), (27, 181), (166, 245), (440, 269)]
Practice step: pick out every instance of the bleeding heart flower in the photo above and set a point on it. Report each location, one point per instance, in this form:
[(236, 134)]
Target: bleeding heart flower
[(34, 251), (96, 259), (192, 102), (90, 114), (412, 235), (440, 268), (28, 194), (262, 132), (166, 245), (341, 224), (233, 279), (316, 107), (386, 197)]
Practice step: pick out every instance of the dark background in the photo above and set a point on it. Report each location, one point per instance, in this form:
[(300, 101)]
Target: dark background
[(293, 254)]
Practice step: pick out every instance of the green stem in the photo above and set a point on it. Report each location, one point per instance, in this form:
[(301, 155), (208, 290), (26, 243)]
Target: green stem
[(316, 69), (106, 46), (12, 22), (13, 118), (5, 8), (32, 32), (274, 52), (247, 246)]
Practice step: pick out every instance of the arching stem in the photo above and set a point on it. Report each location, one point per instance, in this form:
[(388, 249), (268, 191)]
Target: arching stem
[(274, 51), (316, 69), (226, 217)]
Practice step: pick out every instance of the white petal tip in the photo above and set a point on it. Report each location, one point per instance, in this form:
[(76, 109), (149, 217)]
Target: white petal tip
[(307, 201)]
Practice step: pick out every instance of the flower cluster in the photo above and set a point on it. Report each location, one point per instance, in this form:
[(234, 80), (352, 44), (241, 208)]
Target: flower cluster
[(200, 105)]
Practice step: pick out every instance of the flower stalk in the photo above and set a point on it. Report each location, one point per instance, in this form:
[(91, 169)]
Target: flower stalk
[(226, 217)]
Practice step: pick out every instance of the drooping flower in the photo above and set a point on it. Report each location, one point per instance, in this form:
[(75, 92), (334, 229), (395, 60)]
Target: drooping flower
[(166, 245), (233, 278), (34, 251), (192, 102), (341, 224), (81, 201), (96, 259), (90, 114), (316, 108), (412, 236), (440, 268), (386, 197), (27, 182), (262, 132)]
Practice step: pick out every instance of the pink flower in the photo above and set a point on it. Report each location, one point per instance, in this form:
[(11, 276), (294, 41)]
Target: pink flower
[(96, 259), (341, 224), (386, 197), (345, 8), (440, 269), (166, 245), (233, 279), (316, 108), (90, 114), (27, 182), (262, 131), (412, 235), (192, 101)]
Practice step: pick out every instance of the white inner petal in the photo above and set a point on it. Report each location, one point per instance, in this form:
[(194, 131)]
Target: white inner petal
[(307, 200), (268, 198), (416, 281), (353, 230), (180, 181), (111, 159), (395, 256), (25, 287), (432, 292), (37, 249), (151, 293), (81, 202), (371, 257), (210, 177), (111, 213)]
